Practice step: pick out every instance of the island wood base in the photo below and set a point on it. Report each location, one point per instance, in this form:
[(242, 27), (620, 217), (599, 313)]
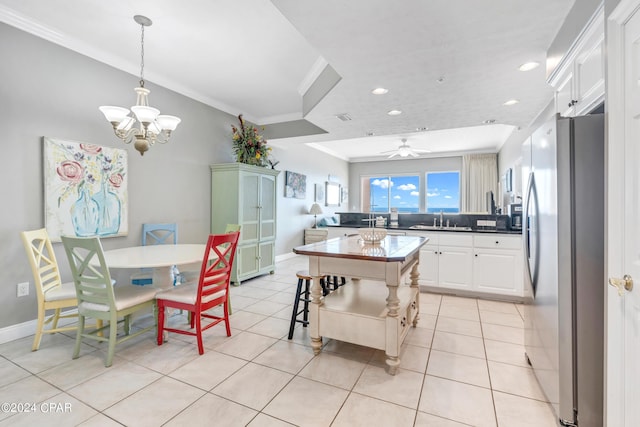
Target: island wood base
[(372, 313)]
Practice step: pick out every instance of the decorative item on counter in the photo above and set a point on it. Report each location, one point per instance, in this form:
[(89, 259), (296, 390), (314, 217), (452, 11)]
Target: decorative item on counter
[(249, 146), (381, 222), (372, 235), (394, 217)]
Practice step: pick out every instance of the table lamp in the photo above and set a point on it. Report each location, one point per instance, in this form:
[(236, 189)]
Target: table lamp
[(315, 211)]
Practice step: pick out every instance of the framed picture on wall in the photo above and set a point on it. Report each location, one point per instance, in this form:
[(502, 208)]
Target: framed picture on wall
[(295, 185), (508, 181), (332, 194), (85, 189), (319, 193), (344, 195)]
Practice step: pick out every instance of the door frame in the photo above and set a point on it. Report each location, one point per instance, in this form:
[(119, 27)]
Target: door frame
[(615, 357)]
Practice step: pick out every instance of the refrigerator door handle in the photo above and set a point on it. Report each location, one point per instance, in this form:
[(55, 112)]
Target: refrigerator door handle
[(531, 224)]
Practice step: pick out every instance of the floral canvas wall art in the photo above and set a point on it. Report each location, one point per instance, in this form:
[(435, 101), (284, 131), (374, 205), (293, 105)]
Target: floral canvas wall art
[(295, 185), (85, 189)]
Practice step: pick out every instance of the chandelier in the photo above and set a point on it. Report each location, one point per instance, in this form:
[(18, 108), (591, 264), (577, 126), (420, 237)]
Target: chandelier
[(151, 126)]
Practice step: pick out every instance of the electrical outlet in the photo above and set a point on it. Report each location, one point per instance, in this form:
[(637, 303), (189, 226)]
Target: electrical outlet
[(23, 289)]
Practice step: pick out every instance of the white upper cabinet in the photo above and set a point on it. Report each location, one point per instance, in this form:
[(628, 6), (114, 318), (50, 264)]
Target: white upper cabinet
[(579, 78)]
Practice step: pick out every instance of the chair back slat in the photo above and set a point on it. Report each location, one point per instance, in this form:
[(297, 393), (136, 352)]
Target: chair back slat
[(216, 265), (159, 234), (93, 282), (42, 259)]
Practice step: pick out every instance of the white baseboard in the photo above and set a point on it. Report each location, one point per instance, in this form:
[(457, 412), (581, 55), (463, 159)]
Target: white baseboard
[(25, 329), (284, 257)]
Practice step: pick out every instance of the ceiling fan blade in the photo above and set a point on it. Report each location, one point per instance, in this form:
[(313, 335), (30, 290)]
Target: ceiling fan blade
[(393, 155), (387, 152), (413, 154)]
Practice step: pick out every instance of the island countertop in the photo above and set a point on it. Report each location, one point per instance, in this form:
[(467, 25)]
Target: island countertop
[(391, 249)]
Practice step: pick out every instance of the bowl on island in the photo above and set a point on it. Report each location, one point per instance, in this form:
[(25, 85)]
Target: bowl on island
[(372, 235)]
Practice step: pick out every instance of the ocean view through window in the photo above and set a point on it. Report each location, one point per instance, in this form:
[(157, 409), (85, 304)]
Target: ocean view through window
[(386, 192), (443, 192)]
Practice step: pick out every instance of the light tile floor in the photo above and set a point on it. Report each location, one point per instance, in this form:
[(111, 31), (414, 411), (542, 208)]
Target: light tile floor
[(463, 365)]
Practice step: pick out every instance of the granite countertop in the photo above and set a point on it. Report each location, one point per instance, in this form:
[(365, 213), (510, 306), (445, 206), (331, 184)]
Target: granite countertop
[(429, 228)]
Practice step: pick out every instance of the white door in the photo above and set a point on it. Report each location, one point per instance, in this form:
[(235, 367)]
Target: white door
[(623, 211)]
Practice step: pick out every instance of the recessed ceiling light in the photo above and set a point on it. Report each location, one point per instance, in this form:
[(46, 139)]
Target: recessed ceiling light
[(394, 112), (379, 91), (511, 102), (440, 79), (422, 129), (527, 66), (489, 121), (370, 133)]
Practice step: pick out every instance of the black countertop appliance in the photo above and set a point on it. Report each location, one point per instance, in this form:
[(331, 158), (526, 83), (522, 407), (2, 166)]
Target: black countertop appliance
[(514, 210)]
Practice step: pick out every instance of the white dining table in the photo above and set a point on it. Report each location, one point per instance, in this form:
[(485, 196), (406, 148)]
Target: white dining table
[(158, 257)]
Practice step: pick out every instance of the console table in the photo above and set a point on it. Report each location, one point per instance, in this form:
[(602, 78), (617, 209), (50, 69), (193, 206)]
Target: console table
[(376, 309)]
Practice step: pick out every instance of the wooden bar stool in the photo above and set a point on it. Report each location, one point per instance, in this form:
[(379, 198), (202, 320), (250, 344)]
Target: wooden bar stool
[(333, 284), (303, 295)]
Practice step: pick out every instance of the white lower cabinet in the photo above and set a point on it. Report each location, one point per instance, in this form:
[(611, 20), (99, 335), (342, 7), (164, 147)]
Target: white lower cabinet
[(428, 266), (497, 264), (454, 267), (480, 263)]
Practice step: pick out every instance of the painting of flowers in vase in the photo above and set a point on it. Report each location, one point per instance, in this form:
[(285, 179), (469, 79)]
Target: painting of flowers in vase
[(85, 189)]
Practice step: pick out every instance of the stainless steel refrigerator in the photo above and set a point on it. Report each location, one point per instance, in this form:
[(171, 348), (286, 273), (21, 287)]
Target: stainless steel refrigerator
[(564, 279)]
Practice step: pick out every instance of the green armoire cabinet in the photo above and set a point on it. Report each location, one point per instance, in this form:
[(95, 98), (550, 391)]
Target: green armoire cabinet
[(246, 195)]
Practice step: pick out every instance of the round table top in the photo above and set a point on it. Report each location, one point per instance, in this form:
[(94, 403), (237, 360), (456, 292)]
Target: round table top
[(154, 256)]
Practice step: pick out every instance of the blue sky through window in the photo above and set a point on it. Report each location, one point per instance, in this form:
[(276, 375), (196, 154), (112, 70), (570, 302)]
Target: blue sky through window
[(402, 192), (443, 192)]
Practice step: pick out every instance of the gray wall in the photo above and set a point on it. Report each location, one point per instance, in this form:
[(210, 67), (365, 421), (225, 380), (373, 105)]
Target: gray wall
[(415, 166), (293, 215), (48, 90)]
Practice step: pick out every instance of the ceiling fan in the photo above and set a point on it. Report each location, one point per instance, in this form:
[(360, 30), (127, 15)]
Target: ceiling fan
[(404, 150)]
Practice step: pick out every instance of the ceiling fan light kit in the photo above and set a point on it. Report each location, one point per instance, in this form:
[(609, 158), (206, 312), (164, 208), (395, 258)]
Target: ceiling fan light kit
[(404, 150)]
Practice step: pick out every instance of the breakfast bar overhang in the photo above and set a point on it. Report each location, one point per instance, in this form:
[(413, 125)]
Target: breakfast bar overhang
[(376, 308)]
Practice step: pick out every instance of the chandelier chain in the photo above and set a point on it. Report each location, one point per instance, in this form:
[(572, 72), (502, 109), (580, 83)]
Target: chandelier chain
[(142, 57)]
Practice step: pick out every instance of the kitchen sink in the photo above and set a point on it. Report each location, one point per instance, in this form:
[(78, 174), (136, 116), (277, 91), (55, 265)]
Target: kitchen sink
[(431, 227)]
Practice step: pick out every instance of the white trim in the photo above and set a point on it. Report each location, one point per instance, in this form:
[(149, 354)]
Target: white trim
[(288, 117), (577, 45), (316, 69), (285, 257), (614, 401), (28, 328)]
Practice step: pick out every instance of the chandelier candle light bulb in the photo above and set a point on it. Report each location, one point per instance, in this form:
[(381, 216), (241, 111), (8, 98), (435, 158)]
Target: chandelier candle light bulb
[(153, 127)]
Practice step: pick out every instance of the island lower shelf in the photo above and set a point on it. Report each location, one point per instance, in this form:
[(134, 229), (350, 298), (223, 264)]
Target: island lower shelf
[(357, 313)]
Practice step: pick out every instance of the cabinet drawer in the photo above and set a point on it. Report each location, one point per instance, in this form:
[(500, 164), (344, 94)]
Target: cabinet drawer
[(498, 242), (455, 239)]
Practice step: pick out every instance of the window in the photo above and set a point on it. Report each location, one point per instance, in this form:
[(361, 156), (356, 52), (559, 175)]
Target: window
[(382, 193), (443, 192)]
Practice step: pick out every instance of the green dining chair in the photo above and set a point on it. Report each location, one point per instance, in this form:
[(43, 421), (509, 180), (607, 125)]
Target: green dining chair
[(99, 299)]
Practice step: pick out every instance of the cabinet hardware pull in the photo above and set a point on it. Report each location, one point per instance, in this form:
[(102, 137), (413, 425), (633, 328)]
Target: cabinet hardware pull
[(403, 322), (497, 242)]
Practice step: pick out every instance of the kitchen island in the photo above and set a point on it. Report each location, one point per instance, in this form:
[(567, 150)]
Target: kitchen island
[(376, 308)]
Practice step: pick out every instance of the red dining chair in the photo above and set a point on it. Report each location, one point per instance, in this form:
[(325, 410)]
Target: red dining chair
[(211, 290)]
